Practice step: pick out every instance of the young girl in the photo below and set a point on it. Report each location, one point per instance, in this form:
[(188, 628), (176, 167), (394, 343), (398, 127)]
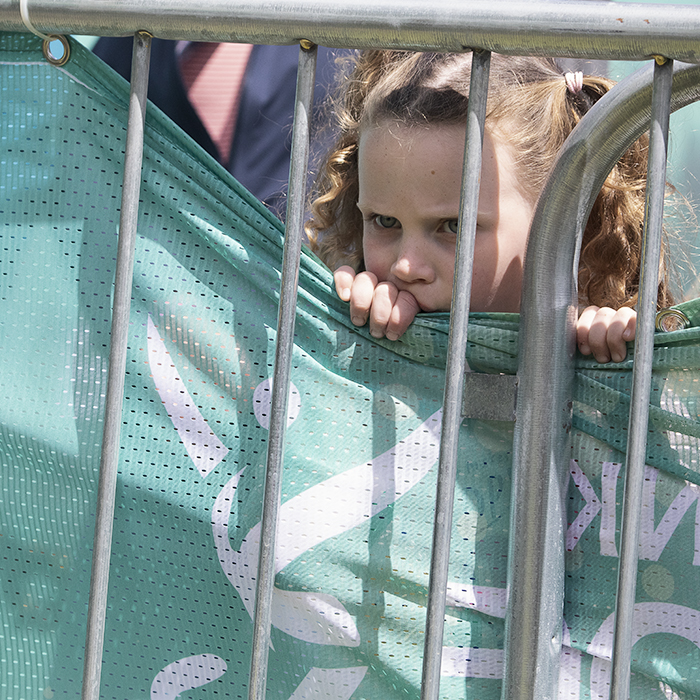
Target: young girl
[(385, 215)]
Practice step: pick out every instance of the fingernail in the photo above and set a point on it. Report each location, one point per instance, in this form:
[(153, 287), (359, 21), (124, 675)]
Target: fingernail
[(627, 334), (392, 336), (358, 320), (376, 334)]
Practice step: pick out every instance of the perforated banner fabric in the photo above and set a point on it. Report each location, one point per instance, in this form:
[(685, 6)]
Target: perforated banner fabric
[(360, 460)]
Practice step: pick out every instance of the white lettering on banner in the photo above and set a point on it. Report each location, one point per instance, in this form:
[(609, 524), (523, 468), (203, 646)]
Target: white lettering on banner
[(313, 617), (569, 668), (648, 618), (196, 671), (329, 683), (570, 673), (186, 674), (605, 506), (653, 538), (609, 480), (202, 445), (465, 662), (262, 403), (652, 541), (588, 512), (316, 517), (486, 599)]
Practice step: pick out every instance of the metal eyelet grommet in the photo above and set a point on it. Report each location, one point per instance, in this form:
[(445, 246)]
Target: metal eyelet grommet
[(50, 56), (668, 320)]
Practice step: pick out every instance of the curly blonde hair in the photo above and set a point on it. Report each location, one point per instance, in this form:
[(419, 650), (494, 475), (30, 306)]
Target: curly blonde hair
[(530, 105)]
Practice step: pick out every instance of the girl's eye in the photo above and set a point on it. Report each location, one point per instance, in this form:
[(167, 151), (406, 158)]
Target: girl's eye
[(386, 221), (451, 226)]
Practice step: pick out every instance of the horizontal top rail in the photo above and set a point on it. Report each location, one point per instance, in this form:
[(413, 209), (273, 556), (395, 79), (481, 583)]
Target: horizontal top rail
[(602, 30)]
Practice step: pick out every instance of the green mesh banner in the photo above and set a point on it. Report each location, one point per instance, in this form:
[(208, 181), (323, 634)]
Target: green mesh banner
[(360, 463)]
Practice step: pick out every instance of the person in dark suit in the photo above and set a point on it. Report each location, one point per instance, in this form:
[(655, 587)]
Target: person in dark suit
[(257, 151)]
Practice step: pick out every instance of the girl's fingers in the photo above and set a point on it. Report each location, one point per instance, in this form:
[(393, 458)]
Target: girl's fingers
[(344, 277), (392, 311), (404, 311), (389, 311), (385, 295), (583, 327), (621, 328), (630, 330), (604, 332), (362, 297), (598, 334)]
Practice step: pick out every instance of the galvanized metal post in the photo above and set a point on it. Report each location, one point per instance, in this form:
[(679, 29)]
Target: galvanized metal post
[(602, 30), (454, 376), (282, 371), (641, 380), (99, 581)]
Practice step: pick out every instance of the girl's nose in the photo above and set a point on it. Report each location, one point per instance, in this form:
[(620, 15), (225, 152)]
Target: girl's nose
[(411, 265)]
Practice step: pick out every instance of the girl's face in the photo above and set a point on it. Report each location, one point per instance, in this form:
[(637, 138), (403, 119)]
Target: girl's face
[(410, 180)]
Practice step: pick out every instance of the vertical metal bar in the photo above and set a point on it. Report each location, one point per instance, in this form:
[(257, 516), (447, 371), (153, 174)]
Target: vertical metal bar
[(535, 587), (454, 376), (541, 446), (534, 617), (641, 379), (99, 580), (282, 371)]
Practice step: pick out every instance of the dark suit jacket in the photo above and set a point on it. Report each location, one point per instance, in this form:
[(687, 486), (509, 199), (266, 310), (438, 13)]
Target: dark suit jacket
[(261, 144)]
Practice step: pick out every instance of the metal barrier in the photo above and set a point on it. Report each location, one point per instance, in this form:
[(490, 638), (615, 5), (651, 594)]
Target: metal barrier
[(543, 406), (584, 30)]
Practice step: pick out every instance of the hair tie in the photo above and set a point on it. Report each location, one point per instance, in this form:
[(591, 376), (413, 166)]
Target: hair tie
[(574, 81)]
